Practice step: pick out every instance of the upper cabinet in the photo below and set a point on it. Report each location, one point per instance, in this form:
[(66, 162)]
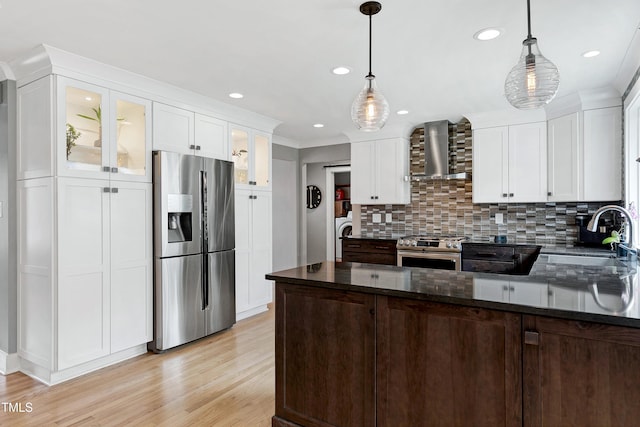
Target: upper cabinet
[(378, 169), (510, 164), (602, 142), (182, 131), (82, 130), (251, 155), (585, 156)]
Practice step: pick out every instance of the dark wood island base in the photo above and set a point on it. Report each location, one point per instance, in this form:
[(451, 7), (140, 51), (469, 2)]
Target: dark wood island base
[(356, 356)]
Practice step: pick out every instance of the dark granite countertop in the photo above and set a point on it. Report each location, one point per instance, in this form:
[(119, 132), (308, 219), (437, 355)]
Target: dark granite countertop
[(603, 294)]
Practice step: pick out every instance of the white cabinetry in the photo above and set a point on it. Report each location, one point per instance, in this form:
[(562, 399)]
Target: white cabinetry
[(71, 128), (90, 264), (602, 154), (585, 162), (378, 169), (253, 251), (528, 293), (251, 155), (84, 227), (563, 150), (182, 131), (510, 164)]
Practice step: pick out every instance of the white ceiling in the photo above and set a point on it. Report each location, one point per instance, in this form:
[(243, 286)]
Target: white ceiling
[(279, 53)]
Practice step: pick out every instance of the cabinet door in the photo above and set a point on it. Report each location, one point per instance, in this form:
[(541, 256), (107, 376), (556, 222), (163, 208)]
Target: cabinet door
[(240, 153), (528, 163), (131, 267), (491, 289), (392, 166), (261, 250), (211, 137), (173, 129), (562, 158), (262, 160), (602, 154), (479, 387), (529, 293), (362, 173), (83, 271), (243, 206), (130, 154), (580, 374), (490, 163), (83, 130), (325, 357)]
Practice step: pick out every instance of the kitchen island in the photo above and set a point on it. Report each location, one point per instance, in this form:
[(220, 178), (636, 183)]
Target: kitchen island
[(361, 344)]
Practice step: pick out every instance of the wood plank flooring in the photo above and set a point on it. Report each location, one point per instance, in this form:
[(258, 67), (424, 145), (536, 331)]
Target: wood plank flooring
[(224, 380)]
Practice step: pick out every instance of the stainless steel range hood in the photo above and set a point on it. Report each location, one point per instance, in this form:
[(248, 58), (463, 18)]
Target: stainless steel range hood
[(436, 154)]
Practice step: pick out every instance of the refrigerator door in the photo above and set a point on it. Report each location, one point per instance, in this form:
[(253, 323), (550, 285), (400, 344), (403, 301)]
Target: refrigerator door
[(219, 204), (221, 311), (177, 204), (178, 314)]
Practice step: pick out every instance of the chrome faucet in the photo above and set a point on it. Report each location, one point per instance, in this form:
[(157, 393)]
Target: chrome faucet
[(593, 224)]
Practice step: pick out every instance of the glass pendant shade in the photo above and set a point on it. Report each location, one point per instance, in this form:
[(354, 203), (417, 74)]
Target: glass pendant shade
[(534, 80), (370, 110)]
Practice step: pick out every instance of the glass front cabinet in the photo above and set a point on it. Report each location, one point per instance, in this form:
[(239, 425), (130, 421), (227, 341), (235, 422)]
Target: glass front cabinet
[(103, 133), (251, 155)]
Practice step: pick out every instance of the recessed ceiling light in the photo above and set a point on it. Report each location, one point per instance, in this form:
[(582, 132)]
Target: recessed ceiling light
[(87, 98), (341, 71), (591, 53), (402, 112), (236, 95), (318, 125), (487, 34)]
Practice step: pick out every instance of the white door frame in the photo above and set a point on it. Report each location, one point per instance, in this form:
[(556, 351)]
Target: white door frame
[(632, 151), (330, 196)]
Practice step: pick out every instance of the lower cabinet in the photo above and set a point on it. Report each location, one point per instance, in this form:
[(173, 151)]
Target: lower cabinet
[(348, 358), (372, 251), (89, 262), (580, 374), (325, 357), (253, 251)]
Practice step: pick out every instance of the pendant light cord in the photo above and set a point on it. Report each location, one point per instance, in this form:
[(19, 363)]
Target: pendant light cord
[(370, 33), (528, 19)]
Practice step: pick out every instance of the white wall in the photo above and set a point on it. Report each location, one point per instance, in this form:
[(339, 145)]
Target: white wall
[(285, 214)]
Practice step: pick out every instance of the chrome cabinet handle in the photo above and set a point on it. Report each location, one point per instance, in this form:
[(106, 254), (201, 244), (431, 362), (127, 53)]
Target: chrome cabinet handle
[(106, 190), (114, 190), (105, 169), (114, 170), (504, 194), (510, 194), (197, 147), (549, 193)]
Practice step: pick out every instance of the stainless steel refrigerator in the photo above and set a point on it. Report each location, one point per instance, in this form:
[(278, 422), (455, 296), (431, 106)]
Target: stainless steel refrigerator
[(194, 241)]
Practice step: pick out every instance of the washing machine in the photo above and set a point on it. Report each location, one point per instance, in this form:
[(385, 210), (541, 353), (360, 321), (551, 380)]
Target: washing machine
[(343, 228)]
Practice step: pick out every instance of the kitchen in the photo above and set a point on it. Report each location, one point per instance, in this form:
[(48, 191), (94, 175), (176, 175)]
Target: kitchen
[(369, 218)]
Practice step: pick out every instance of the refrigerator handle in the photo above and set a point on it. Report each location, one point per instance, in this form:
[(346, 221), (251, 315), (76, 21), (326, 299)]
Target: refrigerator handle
[(205, 240)]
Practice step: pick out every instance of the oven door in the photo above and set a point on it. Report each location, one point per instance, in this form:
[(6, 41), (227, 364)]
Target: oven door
[(435, 259)]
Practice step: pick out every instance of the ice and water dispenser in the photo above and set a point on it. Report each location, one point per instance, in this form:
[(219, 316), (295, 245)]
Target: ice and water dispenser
[(180, 217)]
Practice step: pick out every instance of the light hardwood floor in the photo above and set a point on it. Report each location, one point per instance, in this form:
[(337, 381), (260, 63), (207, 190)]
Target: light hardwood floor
[(224, 380)]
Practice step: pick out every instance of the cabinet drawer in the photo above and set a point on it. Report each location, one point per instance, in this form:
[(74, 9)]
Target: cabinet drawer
[(373, 245), (489, 266), (369, 257), (488, 252)]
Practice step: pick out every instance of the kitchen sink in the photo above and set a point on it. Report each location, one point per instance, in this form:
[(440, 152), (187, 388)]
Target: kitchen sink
[(591, 261)]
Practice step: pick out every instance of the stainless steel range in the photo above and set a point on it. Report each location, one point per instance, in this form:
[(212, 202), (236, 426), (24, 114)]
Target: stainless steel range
[(442, 252)]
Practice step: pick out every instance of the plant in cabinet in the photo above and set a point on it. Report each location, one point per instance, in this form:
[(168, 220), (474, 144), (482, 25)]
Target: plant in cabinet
[(72, 136), (97, 117)]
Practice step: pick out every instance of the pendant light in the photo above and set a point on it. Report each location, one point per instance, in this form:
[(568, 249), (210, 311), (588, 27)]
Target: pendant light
[(534, 80), (370, 109)]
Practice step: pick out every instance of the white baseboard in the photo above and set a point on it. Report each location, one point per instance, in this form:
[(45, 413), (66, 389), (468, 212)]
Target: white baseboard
[(9, 363), (48, 377), (252, 312)]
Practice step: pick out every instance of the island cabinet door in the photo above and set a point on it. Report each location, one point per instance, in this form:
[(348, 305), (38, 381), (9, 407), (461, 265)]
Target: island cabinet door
[(325, 355), (440, 364), (580, 374)]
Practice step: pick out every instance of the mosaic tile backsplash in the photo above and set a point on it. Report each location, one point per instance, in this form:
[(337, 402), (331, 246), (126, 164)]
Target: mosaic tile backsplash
[(445, 207)]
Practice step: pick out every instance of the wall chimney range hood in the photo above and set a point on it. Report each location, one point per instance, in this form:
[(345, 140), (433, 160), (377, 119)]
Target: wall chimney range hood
[(437, 163)]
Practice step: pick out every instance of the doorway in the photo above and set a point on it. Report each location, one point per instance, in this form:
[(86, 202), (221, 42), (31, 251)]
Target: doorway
[(339, 218)]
